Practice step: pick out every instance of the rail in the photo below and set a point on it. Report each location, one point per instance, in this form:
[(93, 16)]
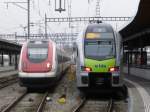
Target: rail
[(10, 106), (6, 81)]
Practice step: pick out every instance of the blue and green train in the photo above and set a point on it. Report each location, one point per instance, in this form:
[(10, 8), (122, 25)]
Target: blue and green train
[(99, 57)]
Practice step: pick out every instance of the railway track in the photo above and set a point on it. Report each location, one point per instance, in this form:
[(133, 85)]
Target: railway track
[(92, 105), (42, 104), (16, 104), (13, 103), (6, 81), (32, 102), (110, 106)]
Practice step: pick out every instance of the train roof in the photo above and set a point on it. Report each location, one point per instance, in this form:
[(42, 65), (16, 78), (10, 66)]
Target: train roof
[(88, 28), (99, 27), (38, 42)]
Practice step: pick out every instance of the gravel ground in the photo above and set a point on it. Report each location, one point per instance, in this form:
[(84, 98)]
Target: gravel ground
[(67, 89)]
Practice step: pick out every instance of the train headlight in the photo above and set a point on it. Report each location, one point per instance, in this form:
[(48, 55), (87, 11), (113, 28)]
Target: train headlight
[(48, 65), (87, 69), (113, 69)]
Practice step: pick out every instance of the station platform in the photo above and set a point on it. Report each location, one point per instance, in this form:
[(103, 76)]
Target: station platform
[(139, 93), (138, 72), (6, 68), (7, 71)]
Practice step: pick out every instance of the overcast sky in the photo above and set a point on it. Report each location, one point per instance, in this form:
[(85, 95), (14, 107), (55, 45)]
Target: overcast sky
[(14, 19)]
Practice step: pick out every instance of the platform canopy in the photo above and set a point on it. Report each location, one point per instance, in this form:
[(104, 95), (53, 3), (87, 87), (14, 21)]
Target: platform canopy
[(9, 47), (137, 33)]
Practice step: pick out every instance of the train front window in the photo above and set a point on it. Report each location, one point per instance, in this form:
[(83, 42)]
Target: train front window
[(37, 54), (99, 49)]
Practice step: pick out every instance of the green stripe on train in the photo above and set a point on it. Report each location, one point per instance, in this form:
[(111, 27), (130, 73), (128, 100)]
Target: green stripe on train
[(100, 66)]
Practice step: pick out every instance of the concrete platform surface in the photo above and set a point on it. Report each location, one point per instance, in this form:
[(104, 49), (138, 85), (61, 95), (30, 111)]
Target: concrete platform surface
[(139, 72), (139, 93), (7, 68), (8, 73)]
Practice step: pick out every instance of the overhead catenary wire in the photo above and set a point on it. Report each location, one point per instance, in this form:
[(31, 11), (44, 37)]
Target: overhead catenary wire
[(37, 9)]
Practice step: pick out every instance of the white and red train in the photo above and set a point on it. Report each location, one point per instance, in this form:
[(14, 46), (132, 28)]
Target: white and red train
[(41, 63)]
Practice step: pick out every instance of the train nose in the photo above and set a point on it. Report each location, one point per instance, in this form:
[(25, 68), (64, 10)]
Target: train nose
[(37, 67)]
